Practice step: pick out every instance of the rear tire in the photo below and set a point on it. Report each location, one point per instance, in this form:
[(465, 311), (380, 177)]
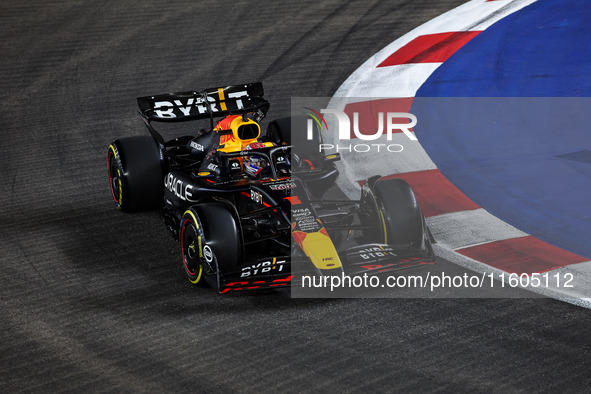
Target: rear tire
[(307, 151), (280, 130), (136, 174)]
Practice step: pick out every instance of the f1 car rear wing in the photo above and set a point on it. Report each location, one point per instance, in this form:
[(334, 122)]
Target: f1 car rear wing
[(208, 103)]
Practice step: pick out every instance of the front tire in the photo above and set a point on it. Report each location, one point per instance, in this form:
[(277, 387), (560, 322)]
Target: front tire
[(394, 209), (191, 239), (211, 242)]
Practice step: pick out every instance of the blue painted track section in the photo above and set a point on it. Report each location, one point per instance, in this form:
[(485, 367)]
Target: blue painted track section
[(523, 153)]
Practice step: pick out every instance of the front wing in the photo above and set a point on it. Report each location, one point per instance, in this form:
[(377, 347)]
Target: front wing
[(286, 271)]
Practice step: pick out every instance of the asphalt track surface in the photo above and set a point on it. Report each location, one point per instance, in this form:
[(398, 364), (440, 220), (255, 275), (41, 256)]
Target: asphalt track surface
[(95, 300)]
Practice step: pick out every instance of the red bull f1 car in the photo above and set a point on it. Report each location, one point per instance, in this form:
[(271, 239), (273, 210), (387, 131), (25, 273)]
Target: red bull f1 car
[(248, 210)]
